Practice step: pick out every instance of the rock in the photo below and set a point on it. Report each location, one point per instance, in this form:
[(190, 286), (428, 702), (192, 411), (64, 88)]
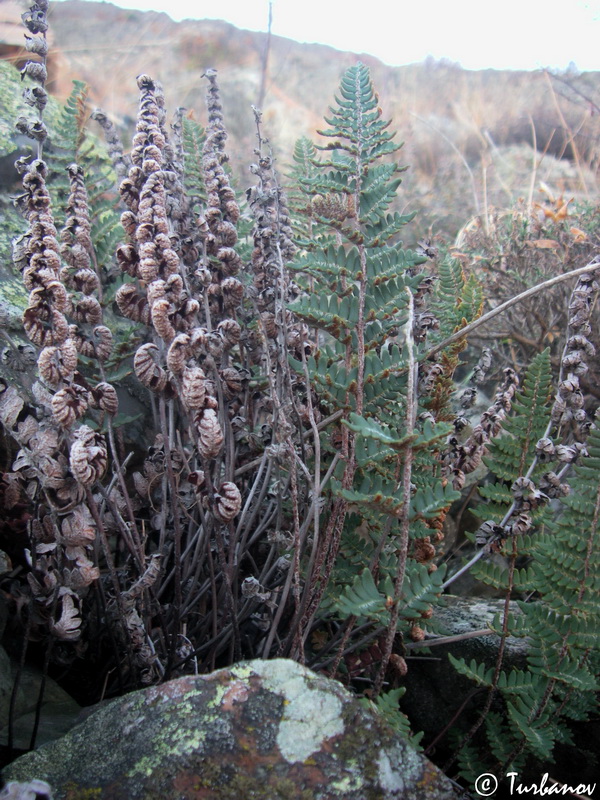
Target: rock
[(59, 711), (434, 690), (261, 729), (4, 567), (464, 615)]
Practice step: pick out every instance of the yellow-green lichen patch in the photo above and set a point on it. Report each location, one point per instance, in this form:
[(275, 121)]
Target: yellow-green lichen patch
[(170, 741), (243, 671), (347, 784), (214, 702), (12, 292), (145, 766)]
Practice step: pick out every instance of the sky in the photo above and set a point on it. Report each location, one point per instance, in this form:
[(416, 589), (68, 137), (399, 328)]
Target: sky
[(478, 34)]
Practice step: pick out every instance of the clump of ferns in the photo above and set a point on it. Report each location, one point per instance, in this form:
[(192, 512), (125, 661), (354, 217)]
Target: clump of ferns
[(212, 365), (222, 543), (184, 358), (167, 566), (59, 460), (63, 456), (541, 506), (375, 570), (369, 300)]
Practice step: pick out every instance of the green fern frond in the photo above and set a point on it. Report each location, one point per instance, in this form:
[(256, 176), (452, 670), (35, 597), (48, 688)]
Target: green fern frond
[(305, 157), (499, 738), (420, 591), (471, 299), (537, 734), (491, 574), (371, 429), (512, 454), (562, 621), (429, 501), (193, 141), (379, 190), (70, 134), (387, 704), (478, 673), (375, 491), (363, 599), (469, 761), (356, 123), (449, 305), (107, 231), (520, 682), (68, 140), (386, 228)]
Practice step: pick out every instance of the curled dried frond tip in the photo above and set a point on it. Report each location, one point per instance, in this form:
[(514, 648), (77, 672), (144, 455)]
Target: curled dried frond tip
[(113, 141), (228, 501), (147, 368), (88, 458), (210, 434)]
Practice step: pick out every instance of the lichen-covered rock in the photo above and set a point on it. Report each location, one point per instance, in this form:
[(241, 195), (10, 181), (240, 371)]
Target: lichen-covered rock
[(262, 729)]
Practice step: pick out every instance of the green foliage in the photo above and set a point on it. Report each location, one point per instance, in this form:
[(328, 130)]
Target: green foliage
[(72, 143), (67, 145), (363, 599), (388, 706), (69, 141), (300, 483), (421, 590), (561, 619), (510, 454), (194, 136), (11, 106), (458, 298), (359, 286), (304, 168), (478, 673)]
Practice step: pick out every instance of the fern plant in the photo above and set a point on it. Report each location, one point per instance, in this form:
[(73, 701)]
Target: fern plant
[(379, 327), (193, 137), (560, 618), (70, 141), (368, 297)]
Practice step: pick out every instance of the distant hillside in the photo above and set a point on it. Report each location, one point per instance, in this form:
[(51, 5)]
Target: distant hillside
[(108, 46), (439, 109)]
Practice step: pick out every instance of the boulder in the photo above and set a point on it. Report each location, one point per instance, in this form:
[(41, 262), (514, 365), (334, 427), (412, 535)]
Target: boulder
[(435, 691), (58, 712), (261, 729)]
